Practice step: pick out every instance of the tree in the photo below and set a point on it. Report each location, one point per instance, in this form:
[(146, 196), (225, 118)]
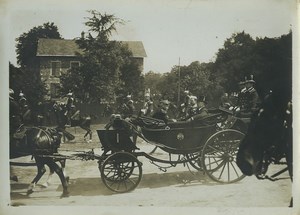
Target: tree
[(32, 87), (105, 65), (234, 61), (27, 77), (26, 47)]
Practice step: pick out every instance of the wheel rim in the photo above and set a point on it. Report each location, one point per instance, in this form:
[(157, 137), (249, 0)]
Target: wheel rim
[(121, 172), (219, 156)]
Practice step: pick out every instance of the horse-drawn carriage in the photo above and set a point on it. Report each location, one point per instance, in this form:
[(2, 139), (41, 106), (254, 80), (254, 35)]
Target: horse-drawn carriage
[(200, 143)]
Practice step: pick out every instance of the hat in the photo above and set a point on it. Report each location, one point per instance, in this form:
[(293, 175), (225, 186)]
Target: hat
[(11, 92), (186, 92), (128, 96), (21, 94), (147, 95), (249, 80), (70, 94), (242, 82)]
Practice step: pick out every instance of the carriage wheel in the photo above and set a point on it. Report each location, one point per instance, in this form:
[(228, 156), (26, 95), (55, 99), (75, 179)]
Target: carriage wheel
[(219, 156), (121, 172), (196, 162)]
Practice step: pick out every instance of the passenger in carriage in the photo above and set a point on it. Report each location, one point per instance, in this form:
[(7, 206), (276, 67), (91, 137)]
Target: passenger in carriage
[(147, 109), (127, 108), (201, 110), (162, 112)]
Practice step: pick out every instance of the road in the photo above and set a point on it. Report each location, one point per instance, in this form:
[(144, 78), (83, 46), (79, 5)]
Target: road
[(177, 187)]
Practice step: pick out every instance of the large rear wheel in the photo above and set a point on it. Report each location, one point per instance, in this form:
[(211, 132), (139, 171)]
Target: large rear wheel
[(121, 172), (219, 156)]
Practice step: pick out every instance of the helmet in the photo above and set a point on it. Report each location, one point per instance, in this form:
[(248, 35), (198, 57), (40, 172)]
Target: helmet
[(11, 92)]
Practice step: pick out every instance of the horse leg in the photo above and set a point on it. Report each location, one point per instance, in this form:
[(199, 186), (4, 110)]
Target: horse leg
[(59, 172), (88, 132), (41, 171), (63, 165)]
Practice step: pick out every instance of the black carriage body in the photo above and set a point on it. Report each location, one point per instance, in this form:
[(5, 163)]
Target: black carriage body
[(179, 140), (116, 140)]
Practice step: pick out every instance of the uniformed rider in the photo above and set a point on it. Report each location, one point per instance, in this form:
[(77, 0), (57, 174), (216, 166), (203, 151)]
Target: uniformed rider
[(14, 113)]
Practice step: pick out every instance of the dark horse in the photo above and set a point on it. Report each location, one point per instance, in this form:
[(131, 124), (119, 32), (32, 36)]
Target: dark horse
[(41, 143), (83, 121), (269, 137)]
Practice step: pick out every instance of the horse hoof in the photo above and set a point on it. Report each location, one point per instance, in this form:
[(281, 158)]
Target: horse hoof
[(68, 179), (46, 184), (65, 194), (29, 192)]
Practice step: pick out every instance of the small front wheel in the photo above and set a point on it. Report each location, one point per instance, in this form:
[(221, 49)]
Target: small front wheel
[(219, 156), (121, 172)]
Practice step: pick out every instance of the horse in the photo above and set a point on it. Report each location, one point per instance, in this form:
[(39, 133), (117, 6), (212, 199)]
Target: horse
[(36, 118), (41, 143), (269, 138), (83, 121)]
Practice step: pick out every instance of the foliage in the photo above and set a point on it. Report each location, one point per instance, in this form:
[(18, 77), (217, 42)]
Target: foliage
[(31, 86), (26, 47), (27, 77), (106, 66)]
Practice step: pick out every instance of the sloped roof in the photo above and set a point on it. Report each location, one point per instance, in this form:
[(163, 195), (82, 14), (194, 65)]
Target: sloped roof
[(62, 47)]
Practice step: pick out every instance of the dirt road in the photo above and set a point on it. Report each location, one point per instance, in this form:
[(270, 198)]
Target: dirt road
[(177, 187)]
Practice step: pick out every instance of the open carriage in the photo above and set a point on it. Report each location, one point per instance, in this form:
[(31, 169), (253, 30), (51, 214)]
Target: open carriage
[(200, 143)]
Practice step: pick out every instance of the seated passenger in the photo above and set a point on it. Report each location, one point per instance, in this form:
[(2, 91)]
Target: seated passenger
[(162, 112), (201, 110)]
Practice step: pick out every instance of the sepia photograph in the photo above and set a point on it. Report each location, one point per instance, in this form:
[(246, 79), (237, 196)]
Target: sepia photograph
[(148, 106)]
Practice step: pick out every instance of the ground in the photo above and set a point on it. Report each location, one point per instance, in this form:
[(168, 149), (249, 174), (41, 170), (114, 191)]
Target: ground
[(177, 187)]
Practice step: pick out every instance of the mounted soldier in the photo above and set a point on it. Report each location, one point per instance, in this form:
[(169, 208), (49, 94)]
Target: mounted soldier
[(15, 118), (69, 108)]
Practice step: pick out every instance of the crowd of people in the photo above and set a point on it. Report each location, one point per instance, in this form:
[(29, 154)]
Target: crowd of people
[(241, 103)]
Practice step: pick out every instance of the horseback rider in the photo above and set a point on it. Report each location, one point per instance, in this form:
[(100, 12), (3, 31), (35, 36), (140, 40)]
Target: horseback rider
[(26, 113), (15, 118), (69, 108)]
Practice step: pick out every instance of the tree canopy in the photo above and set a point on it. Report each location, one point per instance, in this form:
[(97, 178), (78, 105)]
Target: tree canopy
[(106, 68), (26, 47)]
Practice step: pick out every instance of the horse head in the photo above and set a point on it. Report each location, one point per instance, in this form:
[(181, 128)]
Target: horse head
[(268, 134)]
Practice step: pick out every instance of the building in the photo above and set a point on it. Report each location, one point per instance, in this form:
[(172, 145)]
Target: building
[(57, 56)]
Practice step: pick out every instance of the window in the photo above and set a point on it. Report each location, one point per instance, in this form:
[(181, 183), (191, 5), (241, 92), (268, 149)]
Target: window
[(74, 64), (54, 90), (55, 68)]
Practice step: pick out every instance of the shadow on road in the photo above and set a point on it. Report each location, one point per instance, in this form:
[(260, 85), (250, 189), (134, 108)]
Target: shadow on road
[(95, 186)]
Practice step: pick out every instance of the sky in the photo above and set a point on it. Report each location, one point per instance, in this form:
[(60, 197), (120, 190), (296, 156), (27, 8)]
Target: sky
[(173, 31)]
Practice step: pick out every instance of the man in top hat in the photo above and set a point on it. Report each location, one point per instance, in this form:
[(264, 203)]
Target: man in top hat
[(252, 98), (248, 99)]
